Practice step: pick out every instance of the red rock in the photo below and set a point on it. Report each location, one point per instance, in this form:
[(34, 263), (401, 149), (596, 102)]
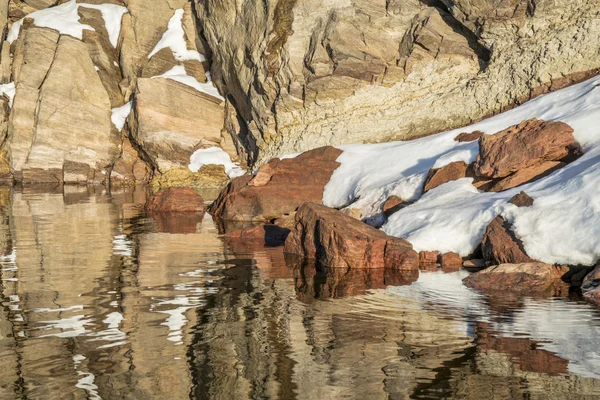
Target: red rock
[(520, 278), (468, 136), (591, 285), (352, 212), (521, 200), (474, 264), (286, 221), (339, 241), (279, 187), (526, 175), (522, 146), (176, 199), (450, 172), (451, 260), (269, 235), (501, 246), (391, 205), (429, 257)]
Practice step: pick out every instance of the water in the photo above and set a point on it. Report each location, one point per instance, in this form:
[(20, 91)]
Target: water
[(102, 301)]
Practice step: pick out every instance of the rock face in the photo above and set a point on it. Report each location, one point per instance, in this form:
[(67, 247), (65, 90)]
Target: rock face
[(591, 285), (177, 199), (500, 246), (450, 172), (529, 144), (278, 188), (339, 241), (313, 73), (520, 278), (522, 200)]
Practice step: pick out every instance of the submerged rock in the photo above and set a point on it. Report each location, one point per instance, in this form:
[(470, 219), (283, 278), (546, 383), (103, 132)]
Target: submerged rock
[(339, 241), (501, 246), (528, 144), (523, 278), (279, 187), (176, 199)]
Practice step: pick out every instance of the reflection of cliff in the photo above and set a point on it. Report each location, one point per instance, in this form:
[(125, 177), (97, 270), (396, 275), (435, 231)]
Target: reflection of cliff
[(99, 301)]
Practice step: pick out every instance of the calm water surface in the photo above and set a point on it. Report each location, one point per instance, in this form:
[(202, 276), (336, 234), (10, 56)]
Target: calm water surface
[(100, 301)]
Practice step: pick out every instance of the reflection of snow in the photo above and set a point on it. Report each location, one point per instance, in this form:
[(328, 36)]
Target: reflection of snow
[(69, 327), (122, 246), (569, 329), (177, 319), (86, 382), (113, 333)]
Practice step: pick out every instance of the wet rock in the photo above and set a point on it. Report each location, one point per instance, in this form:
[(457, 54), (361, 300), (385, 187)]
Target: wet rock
[(591, 285), (288, 187), (450, 172), (268, 235), (429, 257), (526, 175), (338, 241), (523, 278), (521, 200), (451, 261), (523, 146), (176, 199), (501, 246), (469, 136), (391, 205)]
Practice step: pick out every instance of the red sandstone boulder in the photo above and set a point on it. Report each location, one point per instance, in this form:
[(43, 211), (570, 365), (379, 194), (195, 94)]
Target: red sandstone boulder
[(339, 241), (278, 188), (450, 172), (450, 259), (474, 264), (468, 136), (176, 199), (526, 175), (521, 200), (429, 257), (501, 246), (391, 205), (268, 235), (520, 278), (522, 146), (591, 285)]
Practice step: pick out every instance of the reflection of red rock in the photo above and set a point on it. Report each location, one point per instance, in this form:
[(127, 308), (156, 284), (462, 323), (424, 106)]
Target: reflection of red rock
[(526, 278), (176, 199), (279, 187), (176, 222), (269, 235), (315, 282), (269, 261), (339, 241), (523, 351)]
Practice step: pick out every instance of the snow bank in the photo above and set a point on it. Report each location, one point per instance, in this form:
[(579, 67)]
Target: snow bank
[(120, 114), (174, 38), (563, 226), (215, 155), (65, 19), (9, 90), (177, 73)]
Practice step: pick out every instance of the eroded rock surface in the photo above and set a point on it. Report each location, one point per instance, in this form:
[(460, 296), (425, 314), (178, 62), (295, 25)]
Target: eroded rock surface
[(339, 241)]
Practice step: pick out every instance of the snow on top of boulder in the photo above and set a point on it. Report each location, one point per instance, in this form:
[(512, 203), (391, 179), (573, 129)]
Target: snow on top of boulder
[(120, 114), (563, 225), (65, 19), (178, 73), (174, 38), (215, 156), (8, 89)]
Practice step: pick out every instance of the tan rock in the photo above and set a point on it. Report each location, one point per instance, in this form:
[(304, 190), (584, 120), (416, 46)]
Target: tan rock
[(524, 278), (129, 169), (352, 212), (501, 246), (173, 120), (450, 172), (339, 241), (522, 146), (208, 176)]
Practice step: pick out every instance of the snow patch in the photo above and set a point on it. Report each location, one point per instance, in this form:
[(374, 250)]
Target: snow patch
[(216, 156), (9, 90), (120, 114), (178, 73), (174, 38)]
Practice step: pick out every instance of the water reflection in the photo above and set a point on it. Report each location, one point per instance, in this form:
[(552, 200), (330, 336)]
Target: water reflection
[(102, 301)]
